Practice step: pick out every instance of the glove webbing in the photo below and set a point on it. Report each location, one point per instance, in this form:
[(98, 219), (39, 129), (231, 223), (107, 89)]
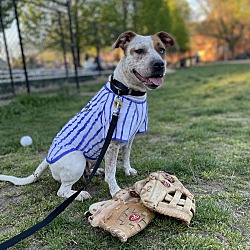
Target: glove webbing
[(14, 240)]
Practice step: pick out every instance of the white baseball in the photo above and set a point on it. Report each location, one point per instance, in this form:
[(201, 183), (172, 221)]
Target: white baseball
[(26, 141)]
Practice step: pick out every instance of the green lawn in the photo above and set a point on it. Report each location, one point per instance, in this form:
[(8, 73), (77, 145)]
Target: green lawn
[(199, 128)]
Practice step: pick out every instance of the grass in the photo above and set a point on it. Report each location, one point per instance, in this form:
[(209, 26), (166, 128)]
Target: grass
[(199, 128)]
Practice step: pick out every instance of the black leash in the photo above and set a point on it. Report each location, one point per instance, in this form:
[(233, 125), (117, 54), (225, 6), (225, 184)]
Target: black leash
[(14, 240)]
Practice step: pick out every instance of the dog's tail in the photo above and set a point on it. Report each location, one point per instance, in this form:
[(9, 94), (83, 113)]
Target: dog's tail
[(27, 180)]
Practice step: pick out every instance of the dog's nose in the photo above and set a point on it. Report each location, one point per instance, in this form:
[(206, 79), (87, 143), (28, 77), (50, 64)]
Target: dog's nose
[(158, 64)]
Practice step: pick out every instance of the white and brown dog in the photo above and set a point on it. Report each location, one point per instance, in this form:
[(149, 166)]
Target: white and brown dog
[(77, 146)]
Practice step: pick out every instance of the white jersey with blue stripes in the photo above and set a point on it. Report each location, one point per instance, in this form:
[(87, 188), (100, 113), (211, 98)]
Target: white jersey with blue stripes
[(87, 130)]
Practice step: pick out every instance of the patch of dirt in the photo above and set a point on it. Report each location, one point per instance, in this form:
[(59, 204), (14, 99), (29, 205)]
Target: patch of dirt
[(9, 195), (232, 117), (36, 244), (42, 155), (155, 139), (7, 230), (240, 213), (6, 201), (208, 189)]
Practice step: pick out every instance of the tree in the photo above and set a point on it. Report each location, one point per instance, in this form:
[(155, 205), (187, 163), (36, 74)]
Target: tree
[(7, 13), (226, 20), (180, 18), (97, 23), (153, 17), (39, 22)]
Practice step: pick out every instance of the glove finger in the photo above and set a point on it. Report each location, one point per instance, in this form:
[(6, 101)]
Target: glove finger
[(99, 205)]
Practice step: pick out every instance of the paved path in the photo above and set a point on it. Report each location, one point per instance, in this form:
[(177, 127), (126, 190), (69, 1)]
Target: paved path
[(245, 61)]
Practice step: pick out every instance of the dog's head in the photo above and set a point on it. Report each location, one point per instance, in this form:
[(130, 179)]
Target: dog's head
[(144, 60)]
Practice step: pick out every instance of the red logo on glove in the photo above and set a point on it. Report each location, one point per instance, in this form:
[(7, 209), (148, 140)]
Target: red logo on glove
[(166, 183), (134, 217)]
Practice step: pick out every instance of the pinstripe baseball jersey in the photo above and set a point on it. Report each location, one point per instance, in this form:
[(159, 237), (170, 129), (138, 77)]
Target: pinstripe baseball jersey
[(87, 130)]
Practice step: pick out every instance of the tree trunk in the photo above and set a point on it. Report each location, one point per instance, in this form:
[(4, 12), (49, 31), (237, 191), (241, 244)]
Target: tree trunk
[(225, 52), (77, 36), (231, 46)]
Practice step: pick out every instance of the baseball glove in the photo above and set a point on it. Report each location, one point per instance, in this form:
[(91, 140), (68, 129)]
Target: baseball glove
[(165, 194), (123, 216)]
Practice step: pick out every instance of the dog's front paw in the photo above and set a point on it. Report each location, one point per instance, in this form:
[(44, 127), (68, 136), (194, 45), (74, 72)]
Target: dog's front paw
[(131, 171), (66, 193), (113, 191), (84, 195)]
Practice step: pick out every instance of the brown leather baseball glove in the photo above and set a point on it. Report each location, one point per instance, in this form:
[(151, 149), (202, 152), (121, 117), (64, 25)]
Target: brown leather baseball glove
[(123, 216), (165, 194)]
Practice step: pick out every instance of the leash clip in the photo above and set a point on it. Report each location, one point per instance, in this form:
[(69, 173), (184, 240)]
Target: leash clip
[(118, 105)]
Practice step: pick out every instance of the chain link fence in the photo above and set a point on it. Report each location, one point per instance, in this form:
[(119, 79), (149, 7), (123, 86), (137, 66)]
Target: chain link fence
[(38, 46)]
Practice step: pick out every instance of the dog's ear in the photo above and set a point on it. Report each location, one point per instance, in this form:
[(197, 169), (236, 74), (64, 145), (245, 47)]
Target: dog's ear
[(167, 40), (123, 40)]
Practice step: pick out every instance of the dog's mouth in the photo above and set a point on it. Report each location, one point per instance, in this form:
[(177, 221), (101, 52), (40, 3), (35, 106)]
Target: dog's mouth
[(152, 82)]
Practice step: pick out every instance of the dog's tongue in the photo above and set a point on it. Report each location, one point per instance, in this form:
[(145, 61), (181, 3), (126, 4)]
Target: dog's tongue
[(157, 81)]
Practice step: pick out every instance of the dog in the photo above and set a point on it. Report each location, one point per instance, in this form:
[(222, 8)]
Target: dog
[(77, 146)]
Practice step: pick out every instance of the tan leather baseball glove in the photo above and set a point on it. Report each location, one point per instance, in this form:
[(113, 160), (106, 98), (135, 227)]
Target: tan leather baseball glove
[(123, 216), (165, 194)]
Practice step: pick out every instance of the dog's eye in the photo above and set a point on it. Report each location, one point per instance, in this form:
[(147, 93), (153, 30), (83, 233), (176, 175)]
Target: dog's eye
[(162, 51), (139, 51)]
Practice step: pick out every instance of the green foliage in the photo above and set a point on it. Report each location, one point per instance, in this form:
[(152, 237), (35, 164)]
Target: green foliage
[(179, 13), (40, 26), (142, 16), (98, 23), (6, 13), (153, 17)]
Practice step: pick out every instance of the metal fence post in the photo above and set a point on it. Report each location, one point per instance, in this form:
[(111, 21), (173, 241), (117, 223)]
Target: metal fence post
[(63, 45), (72, 45), (6, 50), (21, 45)]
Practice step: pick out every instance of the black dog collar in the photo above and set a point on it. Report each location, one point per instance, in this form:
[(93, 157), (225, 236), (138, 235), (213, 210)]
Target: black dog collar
[(120, 89)]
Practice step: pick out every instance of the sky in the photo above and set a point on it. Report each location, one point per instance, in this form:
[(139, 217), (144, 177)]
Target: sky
[(194, 5), (12, 41)]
